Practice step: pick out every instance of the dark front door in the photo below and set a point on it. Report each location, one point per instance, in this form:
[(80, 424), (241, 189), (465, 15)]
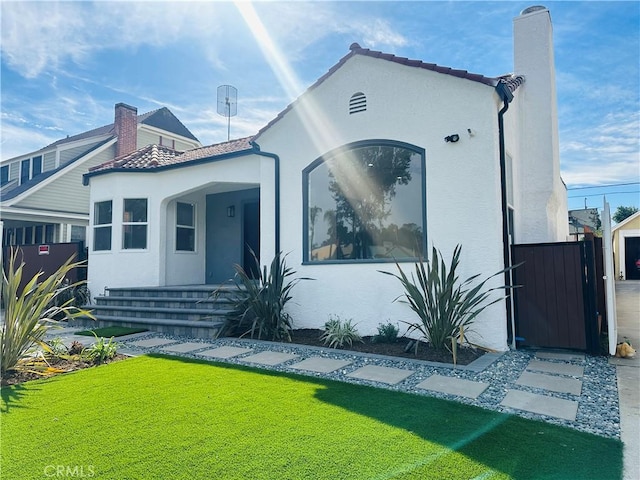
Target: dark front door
[(251, 234)]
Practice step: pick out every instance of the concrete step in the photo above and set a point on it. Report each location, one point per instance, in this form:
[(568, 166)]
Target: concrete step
[(176, 303), (177, 327), (184, 314)]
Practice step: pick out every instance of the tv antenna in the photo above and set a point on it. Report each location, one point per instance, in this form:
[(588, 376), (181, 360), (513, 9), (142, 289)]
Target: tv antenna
[(228, 104)]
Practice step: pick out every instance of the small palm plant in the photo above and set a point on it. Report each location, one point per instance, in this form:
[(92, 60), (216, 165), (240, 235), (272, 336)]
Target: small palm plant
[(30, 312), (446, 306), (260, 303)]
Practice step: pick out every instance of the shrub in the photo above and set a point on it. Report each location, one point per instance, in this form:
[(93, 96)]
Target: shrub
[(387, 333), (57, 347), (259, 307), (76, 348), (337, 333), (445, 305), (30, 311), (101, 350)]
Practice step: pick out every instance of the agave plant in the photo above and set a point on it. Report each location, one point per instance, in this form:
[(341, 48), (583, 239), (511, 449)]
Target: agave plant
[(446, 306), (260, 303), (30, 311)]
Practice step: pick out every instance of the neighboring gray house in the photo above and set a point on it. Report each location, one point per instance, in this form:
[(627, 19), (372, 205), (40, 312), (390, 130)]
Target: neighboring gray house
[(42, 199)]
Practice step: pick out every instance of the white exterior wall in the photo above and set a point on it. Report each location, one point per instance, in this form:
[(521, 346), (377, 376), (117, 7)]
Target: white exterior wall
[(543, 207), (160, 264), (463, 184)]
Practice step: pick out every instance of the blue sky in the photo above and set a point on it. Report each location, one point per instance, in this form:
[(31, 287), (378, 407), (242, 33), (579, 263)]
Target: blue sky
[(65, 65)]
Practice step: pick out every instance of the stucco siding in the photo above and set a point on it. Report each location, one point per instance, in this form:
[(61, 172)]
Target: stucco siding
[(463, 183), (159, 264)]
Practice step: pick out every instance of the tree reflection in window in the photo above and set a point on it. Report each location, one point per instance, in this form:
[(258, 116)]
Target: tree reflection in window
[(365, 203)]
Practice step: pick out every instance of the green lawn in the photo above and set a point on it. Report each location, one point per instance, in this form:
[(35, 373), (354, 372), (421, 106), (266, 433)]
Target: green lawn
[(161, 417)]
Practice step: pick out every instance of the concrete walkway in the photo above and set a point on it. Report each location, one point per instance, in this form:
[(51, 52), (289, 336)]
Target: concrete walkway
[(628, 370)]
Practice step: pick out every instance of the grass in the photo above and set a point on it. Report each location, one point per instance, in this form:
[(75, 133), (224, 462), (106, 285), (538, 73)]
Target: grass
[(158, 417), (111, 331)]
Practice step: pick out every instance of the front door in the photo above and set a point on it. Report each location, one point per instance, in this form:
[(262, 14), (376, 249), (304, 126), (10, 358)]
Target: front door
[(251, 234), (232, 221)]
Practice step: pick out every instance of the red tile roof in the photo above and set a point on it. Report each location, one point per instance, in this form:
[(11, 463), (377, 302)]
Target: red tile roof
[(156, 156)]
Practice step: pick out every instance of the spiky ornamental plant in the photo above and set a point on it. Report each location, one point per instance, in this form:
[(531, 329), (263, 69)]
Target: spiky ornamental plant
[(260, 304), (445, 305), (31, 311)]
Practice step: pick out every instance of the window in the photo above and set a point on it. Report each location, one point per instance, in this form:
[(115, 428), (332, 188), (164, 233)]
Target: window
[(39, 230), (134, 223), (167, 142), (36, 166), (48, 233), (78, 233), (4, 175), (185, 227), (25, 166), (102, 218), (365, 202)]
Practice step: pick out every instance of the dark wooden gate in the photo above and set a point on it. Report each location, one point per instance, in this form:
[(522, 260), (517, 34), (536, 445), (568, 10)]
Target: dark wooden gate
[(556, 301), (47, 259)]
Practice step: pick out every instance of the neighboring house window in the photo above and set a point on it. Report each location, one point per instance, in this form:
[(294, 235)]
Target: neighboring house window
[(102, 219), (4, 175), (134, 223), (365, 202), (48, 233), (185, 227), (78, 233), (167, 142), (357, 103), (25, 165), (38, 234), (36, 166)]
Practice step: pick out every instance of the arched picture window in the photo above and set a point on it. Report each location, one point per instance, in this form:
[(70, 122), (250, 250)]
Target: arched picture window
[(365, 202)]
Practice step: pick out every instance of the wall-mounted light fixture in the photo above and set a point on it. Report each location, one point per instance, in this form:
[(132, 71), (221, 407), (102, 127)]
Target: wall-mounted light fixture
[(452, 138), (231, 211)]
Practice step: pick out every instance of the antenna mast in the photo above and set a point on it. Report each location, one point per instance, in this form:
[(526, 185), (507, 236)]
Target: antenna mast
[(228, 104)]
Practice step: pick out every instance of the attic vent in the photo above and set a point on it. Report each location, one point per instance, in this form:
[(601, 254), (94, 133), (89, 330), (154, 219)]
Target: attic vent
[(358, 103)]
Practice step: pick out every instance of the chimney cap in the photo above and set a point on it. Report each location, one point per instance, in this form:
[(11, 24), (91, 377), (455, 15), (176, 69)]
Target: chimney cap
[(534, 8), (124, 105)]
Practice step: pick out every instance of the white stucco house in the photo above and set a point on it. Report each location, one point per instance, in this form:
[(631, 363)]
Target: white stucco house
[(351, 177), (626, 248)]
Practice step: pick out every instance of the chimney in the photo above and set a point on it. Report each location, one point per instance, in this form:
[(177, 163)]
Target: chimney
[(543, 194), (126, 129)]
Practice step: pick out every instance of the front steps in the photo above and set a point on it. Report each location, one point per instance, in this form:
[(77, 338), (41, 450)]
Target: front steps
[(179, 310)]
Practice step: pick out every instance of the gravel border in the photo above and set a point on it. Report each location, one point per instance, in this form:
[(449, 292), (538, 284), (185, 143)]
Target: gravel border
[(598, 408)]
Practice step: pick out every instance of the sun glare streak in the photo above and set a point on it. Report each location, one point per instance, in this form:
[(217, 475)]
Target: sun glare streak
[(313, 118)]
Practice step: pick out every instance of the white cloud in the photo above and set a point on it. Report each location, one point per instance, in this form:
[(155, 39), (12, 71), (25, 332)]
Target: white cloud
[(607, 152)]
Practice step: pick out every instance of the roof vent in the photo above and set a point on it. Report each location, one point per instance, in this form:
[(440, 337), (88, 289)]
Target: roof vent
[(532, 9), (358, 103)]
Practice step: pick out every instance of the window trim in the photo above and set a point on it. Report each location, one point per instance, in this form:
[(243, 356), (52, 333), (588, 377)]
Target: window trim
[(135, 224), (192, 227), (343, 149), (105, 226)]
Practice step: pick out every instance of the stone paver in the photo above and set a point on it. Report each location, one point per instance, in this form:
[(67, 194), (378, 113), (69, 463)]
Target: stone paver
[(381, 374), (224, 352), (152, 342), (269, 358), (568, 357), (321, 364), (559, 368), (541, 404), (453, 386), (552, 383), (186, 347)]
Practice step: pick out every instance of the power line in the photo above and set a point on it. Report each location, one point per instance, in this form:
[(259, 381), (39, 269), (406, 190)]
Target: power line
[(605, 186), (601, 194)]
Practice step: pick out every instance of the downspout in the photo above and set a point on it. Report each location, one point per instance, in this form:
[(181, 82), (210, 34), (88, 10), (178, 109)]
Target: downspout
[(276, 163), (506, 96)]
